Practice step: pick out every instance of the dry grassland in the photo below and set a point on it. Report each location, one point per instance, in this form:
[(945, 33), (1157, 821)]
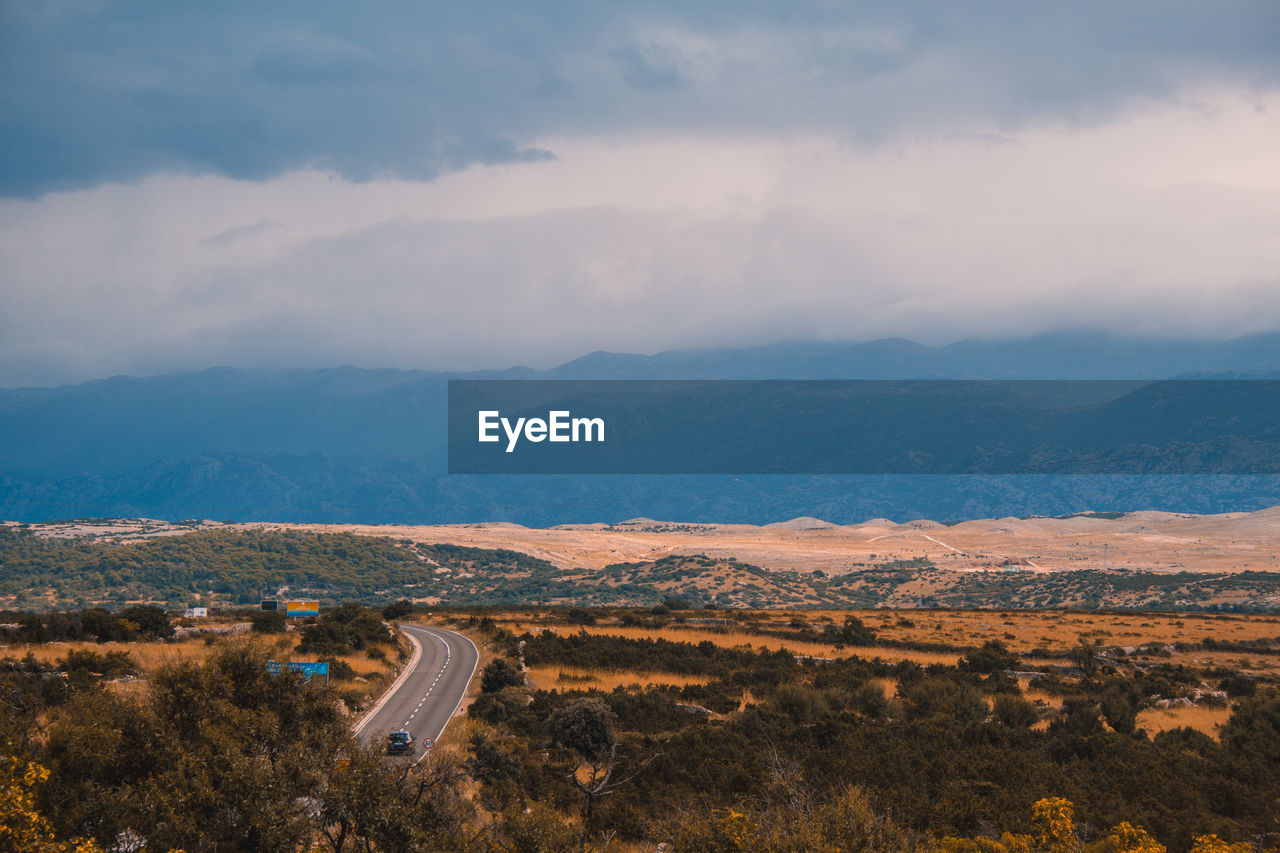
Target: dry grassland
[(148, 655), (562, 678), (1198, 717), (678, 634), (737, 639), (1242, 661), (1040, 697), (1020, 630), (1024, 630)]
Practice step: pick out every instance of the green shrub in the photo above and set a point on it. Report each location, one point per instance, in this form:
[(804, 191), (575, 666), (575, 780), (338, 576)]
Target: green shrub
[(499, 674), (268, 622)]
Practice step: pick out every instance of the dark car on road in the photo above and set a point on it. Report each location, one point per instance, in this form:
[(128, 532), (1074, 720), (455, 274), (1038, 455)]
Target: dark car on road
[(400, 743)]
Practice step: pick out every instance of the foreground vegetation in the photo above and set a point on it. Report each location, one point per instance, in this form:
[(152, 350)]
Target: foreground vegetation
[(943, 750), (713, 735)]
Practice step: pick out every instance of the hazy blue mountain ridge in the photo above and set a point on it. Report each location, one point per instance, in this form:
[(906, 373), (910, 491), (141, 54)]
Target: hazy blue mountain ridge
[(350, 444)]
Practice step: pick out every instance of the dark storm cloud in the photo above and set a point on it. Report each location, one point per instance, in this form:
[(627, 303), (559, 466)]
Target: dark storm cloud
[(91, 93)]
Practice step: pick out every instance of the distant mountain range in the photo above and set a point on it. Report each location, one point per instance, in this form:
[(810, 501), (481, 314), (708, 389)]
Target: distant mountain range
[(1055, 355), (350, 444)]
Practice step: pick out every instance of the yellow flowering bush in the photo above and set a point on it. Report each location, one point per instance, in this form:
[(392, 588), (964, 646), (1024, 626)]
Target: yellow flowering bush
[(22, 827)]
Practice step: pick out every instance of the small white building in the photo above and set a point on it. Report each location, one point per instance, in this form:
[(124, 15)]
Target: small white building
[(197, 612)]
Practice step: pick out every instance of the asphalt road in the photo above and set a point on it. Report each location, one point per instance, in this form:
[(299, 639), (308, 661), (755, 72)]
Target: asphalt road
[(423, 700)]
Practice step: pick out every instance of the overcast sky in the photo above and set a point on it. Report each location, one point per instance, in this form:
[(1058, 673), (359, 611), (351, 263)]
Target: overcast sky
[(473, 185)]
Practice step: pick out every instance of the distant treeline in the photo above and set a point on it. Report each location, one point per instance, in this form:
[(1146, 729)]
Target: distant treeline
[(233, 566), (139, 622), (658, 655), (340, 630)]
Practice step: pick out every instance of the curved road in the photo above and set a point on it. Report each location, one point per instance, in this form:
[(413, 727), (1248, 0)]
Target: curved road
[(422, 700)]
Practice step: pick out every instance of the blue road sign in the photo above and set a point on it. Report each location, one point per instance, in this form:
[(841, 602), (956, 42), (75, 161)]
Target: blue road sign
[(308, 668)]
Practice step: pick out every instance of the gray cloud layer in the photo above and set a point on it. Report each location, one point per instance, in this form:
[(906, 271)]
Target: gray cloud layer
[(117, 91), (475, 185)]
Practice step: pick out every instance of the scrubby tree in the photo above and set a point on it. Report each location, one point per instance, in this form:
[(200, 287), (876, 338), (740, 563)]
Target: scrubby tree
[(493, 767), (1014, 711), (943, 698), (1078, 718), (369, 805), (1052, 831), (1254, 726), (397, 609), (1087, 654), (537, 828), (22, 826), (869, 698), (102, 624), (1119, 704), (147, 621), (347, 627), (216, 752), (783, 819), (579, 616), (1238, 684), (585, 726), (268, 622), (500, 674), (852, 633), (1127, 838), (1214, 844), (992, 657)]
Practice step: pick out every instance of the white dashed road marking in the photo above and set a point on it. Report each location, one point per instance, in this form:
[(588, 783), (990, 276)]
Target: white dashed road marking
[(448, 655), (415, 633)]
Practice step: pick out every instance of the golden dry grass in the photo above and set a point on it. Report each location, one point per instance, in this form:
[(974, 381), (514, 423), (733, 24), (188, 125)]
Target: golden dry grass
[(895, 655), (149, 655), (888, 686), (562, 678), (366, 666), (1242, 661), (1040, 697), (1027, 630), (1020, 631), (1198, 717), (676, 633), (1030, 629), (733, 639), (1154, 720)]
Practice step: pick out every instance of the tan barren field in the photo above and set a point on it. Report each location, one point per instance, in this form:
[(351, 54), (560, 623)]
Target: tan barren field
[(1151, 541)]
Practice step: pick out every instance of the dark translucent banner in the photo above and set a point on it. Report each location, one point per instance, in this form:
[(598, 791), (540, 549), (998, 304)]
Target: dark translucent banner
[(864, 427)]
